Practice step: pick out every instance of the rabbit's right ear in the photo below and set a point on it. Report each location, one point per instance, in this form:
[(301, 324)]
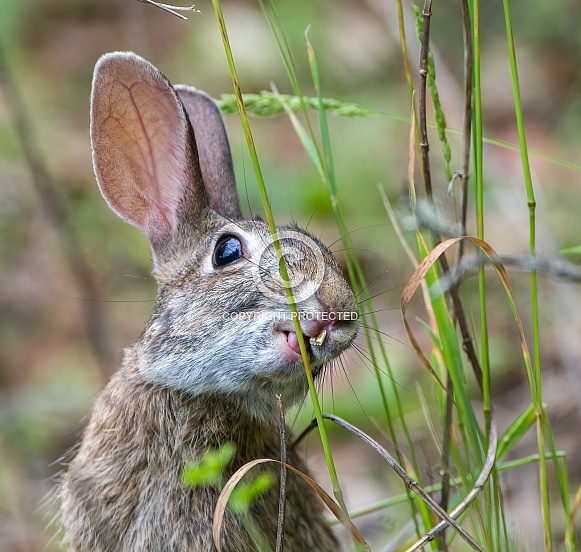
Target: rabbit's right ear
[(213, 150), (144, 154)]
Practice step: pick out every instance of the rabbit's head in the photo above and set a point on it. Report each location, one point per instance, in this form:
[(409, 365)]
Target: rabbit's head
[(222, 324)]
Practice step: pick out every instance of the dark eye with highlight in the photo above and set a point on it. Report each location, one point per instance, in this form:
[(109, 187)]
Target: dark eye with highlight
[(228, 250)]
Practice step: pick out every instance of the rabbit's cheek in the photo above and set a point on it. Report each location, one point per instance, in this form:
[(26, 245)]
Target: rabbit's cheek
[(287, 346)]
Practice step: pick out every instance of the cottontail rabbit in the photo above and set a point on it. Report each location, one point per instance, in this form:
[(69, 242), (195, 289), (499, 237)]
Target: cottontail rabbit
[(220, 344)]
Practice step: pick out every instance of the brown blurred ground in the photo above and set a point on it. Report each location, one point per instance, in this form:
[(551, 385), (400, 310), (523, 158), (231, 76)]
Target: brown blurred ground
[(49, 369)]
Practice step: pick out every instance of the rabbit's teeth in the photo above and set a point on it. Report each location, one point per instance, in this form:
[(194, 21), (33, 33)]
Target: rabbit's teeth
[(318, 340)]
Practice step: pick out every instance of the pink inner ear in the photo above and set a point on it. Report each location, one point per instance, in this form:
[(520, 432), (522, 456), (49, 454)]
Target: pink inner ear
[(140, 145)]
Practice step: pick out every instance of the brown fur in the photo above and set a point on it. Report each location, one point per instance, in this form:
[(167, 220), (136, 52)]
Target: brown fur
[(198, 378), (122, 491)]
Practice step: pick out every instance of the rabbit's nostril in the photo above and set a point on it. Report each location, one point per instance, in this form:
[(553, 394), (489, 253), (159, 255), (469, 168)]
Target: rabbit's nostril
[(323, 323)]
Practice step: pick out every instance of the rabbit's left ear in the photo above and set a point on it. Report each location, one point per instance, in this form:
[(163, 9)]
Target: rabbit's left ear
[(213, 150), (144, 153)]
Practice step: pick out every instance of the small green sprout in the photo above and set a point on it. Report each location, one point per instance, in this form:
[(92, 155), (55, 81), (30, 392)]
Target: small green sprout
[(208, 470), (245, 494), (268, 104)]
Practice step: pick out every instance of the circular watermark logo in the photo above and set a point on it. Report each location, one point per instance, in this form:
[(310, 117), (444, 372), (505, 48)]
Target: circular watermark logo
[(304, 262)]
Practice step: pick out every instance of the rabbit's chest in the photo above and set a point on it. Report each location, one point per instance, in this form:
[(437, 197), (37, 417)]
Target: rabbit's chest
[(124, 490), (144, 505)]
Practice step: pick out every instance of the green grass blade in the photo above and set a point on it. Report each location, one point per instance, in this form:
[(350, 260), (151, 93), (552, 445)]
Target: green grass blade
[(479, 184), (284, 273), (359, 285), (560, 465), (538, 398), (572, 250), (264, 104), (516, 431)]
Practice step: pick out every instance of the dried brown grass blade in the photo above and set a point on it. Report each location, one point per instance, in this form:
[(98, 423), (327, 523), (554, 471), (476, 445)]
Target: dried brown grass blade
[(413, 283), (421, 272), (220, 510)]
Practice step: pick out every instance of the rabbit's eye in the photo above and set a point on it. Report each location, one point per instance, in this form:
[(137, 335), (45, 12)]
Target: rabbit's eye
[(227, 251)]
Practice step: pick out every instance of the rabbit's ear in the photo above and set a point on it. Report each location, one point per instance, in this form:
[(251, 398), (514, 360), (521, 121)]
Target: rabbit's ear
[(144, 153), (213, 150)]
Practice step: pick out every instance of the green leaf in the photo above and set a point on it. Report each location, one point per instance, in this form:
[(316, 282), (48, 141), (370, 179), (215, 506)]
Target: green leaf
[(572, 250), (516, 431), (208, 470), (245, 494)]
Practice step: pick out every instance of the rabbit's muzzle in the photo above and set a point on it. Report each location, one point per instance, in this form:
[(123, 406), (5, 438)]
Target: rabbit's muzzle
[(326, 332)]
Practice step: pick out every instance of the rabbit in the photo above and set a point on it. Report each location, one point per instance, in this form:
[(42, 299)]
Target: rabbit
[(220, 344)]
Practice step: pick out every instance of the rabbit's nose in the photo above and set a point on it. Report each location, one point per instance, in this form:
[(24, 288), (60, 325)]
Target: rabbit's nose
[(326, 320), (312, 327)]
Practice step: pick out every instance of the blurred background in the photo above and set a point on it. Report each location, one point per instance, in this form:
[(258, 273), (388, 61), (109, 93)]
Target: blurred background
[(75, 282)]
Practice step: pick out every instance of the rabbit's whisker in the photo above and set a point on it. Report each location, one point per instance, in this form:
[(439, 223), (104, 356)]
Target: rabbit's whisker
[(362, 302), (362, 353), (387, 309), (344, 369), (375, 253), (370, 284), (373, 329), (357, 230)]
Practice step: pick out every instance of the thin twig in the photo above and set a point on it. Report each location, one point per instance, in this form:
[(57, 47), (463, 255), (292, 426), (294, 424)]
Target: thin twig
[(425, 217), (445, 466), (424, 144), (55, 212), (466, 133), (172, 9), (554, 268), (471, 496), (467, 341), (304, 433), (425, 158), (447, 519), (283, 472)]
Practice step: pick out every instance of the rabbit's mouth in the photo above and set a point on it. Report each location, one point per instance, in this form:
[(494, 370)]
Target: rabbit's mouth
[(325, 337), (320, 345), (293, 342)]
